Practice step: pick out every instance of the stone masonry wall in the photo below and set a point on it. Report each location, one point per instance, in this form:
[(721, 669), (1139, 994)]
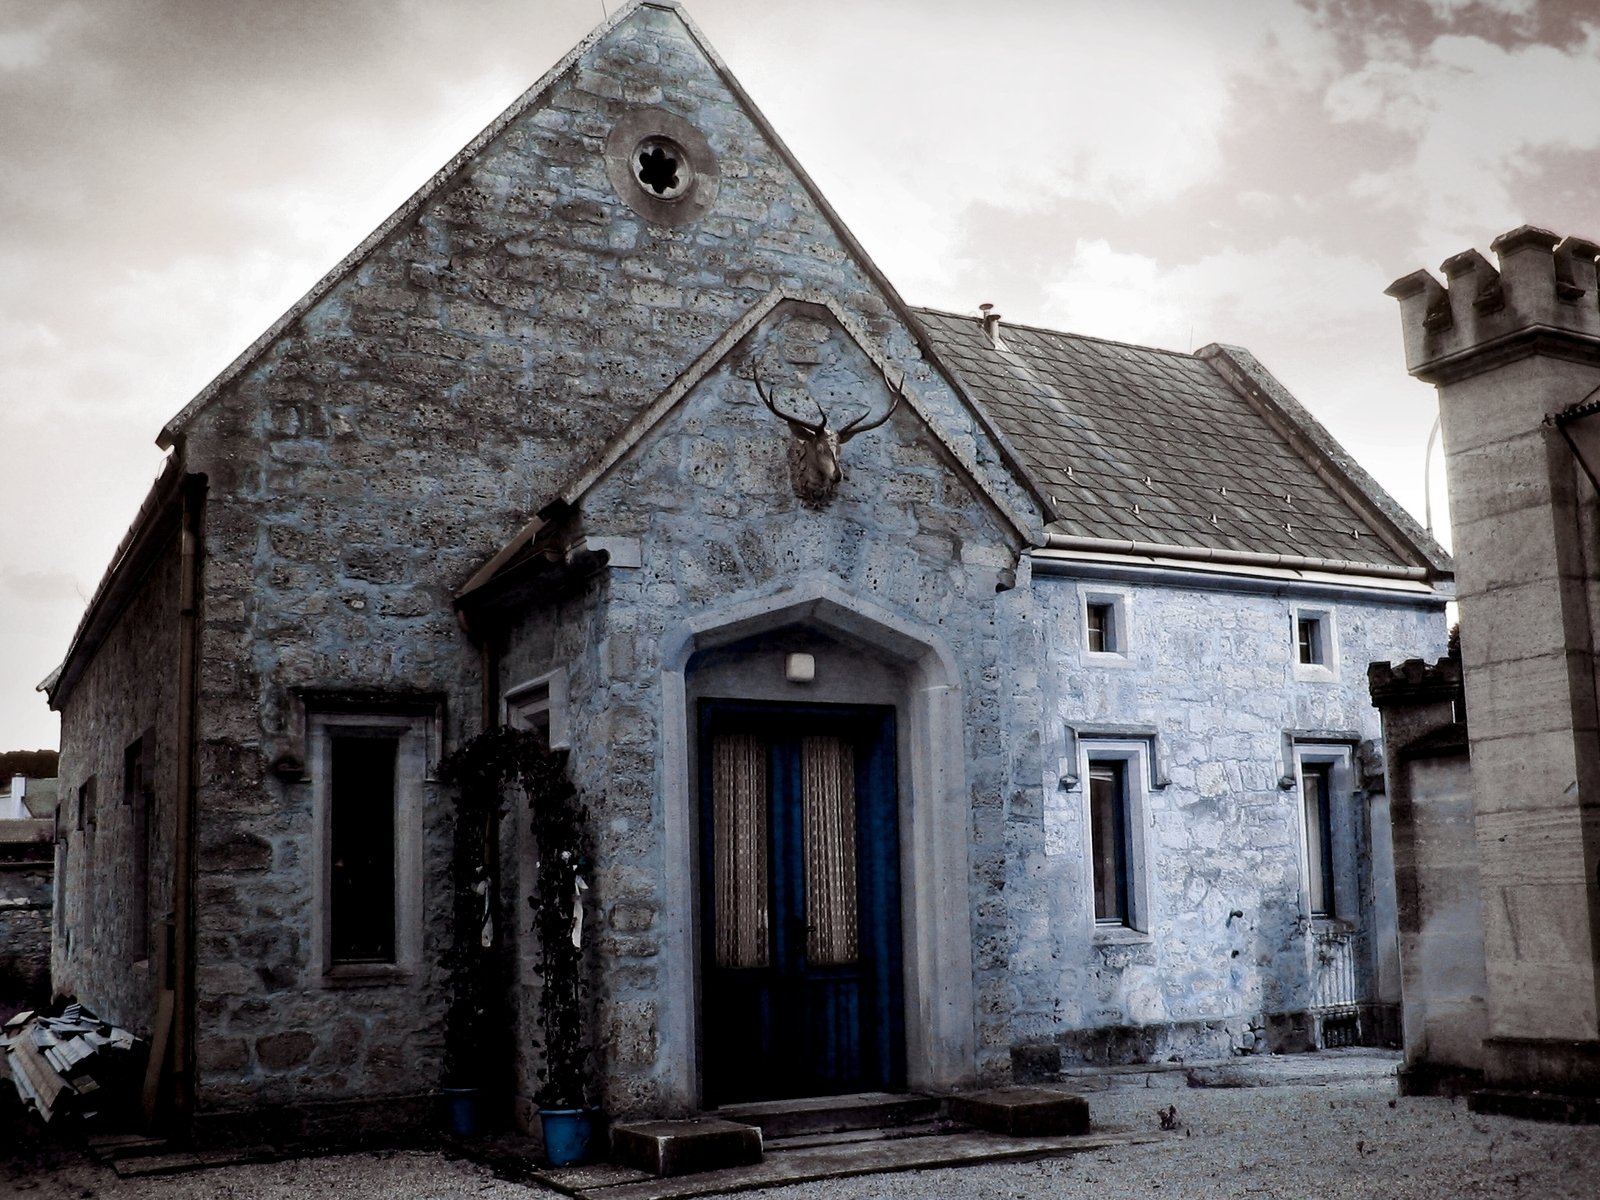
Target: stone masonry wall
[(1227, 947), (26, 893), (709, 496), (128, 692), (396, 434)]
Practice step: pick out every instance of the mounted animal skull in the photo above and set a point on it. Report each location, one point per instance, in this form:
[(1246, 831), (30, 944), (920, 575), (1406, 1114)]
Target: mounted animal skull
[(814, 451)]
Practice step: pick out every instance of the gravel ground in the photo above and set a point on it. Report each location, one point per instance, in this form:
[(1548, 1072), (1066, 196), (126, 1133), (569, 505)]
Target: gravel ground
[(1327, 1142), (1330, 1142)]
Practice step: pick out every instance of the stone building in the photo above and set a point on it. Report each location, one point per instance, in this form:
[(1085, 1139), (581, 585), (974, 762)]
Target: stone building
[(27, 834), (978, 698), (1506, 857)]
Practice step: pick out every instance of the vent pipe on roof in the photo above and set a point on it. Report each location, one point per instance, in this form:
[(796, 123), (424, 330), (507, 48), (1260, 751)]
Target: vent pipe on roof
[(991, 325)]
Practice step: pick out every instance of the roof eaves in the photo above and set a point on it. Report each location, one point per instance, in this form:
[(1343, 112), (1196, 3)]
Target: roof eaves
[(173, 429), (1306, 435), (132, 556)]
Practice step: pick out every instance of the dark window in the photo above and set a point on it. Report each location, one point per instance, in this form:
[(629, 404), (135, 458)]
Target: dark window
[(1108, 833), (86, 805), (361, 878), (1316, 794), (1308, 635), (136, 798), (59, 899), (532, 711), (1102, 620)]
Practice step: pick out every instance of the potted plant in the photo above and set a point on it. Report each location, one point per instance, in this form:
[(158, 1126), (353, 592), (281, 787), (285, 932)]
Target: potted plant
[(481, 770)]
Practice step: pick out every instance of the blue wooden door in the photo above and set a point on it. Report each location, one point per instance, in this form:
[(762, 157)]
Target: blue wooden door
[(800, 901)]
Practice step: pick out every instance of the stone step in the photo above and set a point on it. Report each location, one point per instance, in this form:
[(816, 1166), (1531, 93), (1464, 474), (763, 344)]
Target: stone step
[(1021, 1112), (833, 1114), (662, 1148), (1537, 1106), (851, 1137)]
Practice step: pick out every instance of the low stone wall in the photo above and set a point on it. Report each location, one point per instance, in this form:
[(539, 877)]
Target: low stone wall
[(25, 911)]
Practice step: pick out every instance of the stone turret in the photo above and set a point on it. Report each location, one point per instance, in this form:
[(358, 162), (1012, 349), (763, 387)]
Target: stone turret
[(1510, 349), (1541, 300)]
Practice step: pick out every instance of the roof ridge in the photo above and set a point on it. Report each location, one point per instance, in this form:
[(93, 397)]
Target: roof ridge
[(1082, 337)]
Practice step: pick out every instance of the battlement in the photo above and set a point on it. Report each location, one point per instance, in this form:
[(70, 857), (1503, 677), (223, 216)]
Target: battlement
[(1545, 297), (1414, 681)]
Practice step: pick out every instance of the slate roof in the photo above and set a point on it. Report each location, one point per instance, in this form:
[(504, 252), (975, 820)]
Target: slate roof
[(1139, 444)]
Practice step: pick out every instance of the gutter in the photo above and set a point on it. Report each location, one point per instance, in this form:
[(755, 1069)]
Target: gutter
[(1234, 558)]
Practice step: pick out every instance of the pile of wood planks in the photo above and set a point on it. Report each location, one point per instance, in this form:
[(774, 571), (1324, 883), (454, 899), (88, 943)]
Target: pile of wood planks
[(70, 1063)]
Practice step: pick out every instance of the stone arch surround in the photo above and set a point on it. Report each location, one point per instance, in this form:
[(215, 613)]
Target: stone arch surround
[(935, 904)]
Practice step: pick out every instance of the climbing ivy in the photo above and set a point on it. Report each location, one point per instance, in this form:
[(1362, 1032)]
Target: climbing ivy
[(481, 771)]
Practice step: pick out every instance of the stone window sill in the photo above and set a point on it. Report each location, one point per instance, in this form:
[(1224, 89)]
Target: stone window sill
[(1120, 935), (1106, 658), (358, 975)]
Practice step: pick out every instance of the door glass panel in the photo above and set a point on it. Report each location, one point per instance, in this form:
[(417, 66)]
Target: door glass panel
[(739, 817), (828, 781)]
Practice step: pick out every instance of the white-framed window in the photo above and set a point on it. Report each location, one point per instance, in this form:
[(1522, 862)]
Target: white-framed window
[(1314, 643), (540, 704), (1115, 776), (1107, 633), (367, 774), (1324, 781)]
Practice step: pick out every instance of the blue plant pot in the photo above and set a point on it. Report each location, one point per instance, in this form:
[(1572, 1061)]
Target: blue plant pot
[(568, 1135), (463, 1110)]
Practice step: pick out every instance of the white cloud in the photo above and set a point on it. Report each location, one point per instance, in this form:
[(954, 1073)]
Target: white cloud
[(25, 47), (1448, 9), (1478, 115), (1018, 106)]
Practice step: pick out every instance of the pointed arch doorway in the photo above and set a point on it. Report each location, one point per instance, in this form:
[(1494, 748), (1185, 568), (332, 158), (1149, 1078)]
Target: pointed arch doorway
[(802, 988), (717, 653)]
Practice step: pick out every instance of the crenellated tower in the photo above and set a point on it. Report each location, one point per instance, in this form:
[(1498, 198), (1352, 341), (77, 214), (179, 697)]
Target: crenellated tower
[(1514, 351)]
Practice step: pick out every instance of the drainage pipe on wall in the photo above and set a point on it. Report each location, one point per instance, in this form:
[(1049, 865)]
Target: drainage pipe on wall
[(183, 986)]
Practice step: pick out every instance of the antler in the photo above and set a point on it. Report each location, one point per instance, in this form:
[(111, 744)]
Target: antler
[(813, 430), (855, 427)]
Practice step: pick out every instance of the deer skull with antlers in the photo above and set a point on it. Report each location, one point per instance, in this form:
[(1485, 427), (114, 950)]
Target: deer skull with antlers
[(814, 450)]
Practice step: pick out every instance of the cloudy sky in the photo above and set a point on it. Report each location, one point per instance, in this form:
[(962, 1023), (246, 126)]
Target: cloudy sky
[(176, 173)]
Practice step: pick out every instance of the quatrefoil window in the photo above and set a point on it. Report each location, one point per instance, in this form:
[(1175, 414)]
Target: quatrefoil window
[(661, 167)]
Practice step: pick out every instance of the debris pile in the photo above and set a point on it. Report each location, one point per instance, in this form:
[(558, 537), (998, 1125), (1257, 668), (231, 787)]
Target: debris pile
[(72, 1063)]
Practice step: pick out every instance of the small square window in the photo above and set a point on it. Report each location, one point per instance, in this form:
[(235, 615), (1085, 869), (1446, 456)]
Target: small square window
[(1315, 644), (540, 705), (1102, 625), (1309, 641), (1106, 627)]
